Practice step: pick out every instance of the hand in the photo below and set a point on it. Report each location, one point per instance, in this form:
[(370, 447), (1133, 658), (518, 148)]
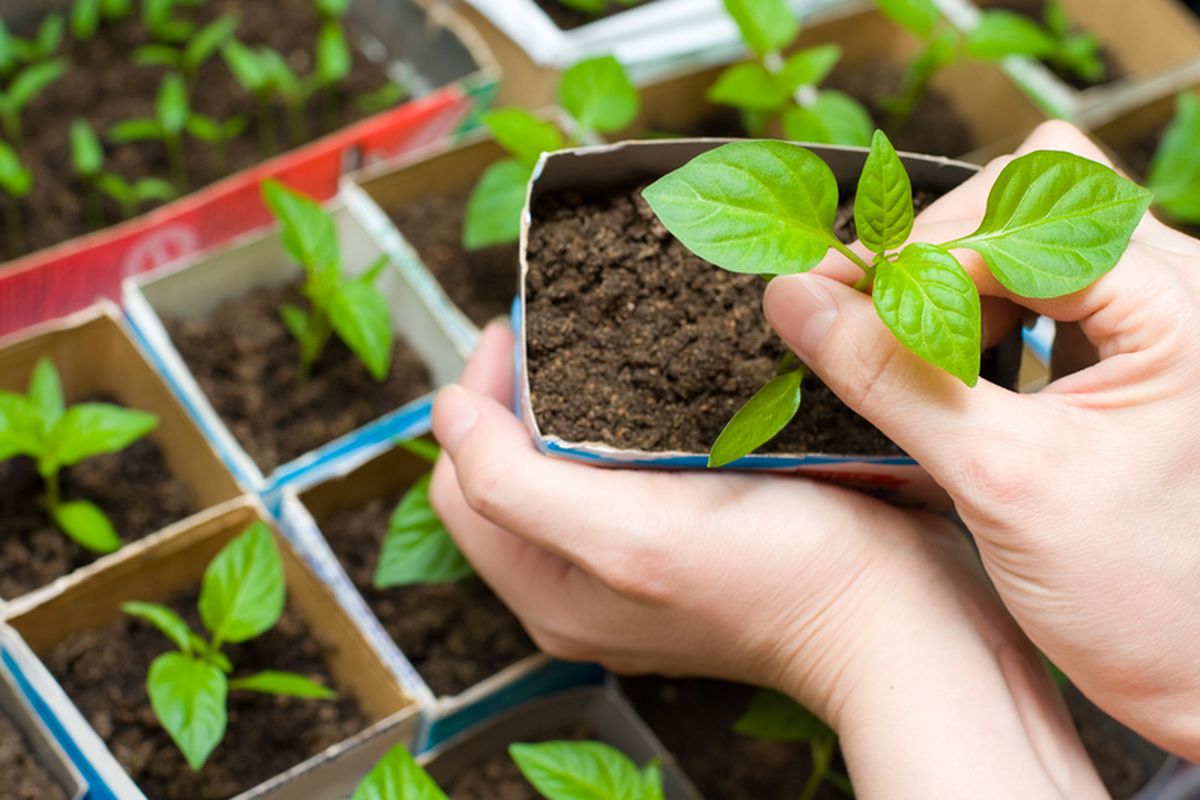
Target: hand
[(1085, 497), (876, 619)]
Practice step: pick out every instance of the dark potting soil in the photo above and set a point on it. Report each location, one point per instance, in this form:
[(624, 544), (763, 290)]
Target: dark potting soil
[(104, 673), (456, 635), (1036, 11), (248, 366), (497, 777), (24, 777), (134, 487), (567, 18), (482, 283), (104, 86)]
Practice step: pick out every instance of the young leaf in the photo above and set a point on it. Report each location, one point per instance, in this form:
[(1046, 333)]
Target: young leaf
[(652, 781), (810, 67), (21, 427), (417, 548), (1056, 222), (50, 35), (87, 525), (1006, 33), (359, 314), (931, 304), (494, 209), (171, 107), (578, 770), (32, 81), (15, 179), (834, 118), (135, 130), (158, 55), (308, 232), (246, 66), (759, 421), (207, 41), (523, 134), (286, 684), (421, 448), (775, 717), (765, 208), (749, 86), (167, 621), (188, 697), (1174, 175), (45, 392), (243, 591), (883, 206), (767, 26), (87, 156), (333, 8), (1080, 53), (333, 54), (85, 19), (598, 94), (1058, 22), (91, 429), (917, 16), (398, 776)]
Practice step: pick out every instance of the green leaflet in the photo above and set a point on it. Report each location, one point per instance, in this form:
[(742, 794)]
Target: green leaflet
[(775, 717), (883, 206), (398, 776), (86, 524), (92, 429), (308, 232), (766, 25), (417, 548), (1005, 33), (87, 155), (579, 771), (759, 421), (283, 684), (167, 621), (1174, 174), (494, 209), (188, 697), (359, 314), (598, 94), (917, 16), (749, 86), (523, 134), (834, 118), (243, 591), (15, 180), (333, 54), (171, 109), (809, 67)]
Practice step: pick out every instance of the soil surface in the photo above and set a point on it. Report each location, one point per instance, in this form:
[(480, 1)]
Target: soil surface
[(568, 18), (248, 366), (104, 86), (1136, 156), (456, 635), (134, 487), (482, 283), (1036, 11), (498, 777), (104, 673), (24, 777)]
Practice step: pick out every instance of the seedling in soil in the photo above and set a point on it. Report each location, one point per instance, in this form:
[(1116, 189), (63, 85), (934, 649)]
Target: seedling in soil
[(16, 182), (15, 51), (773, 88), (25, 87), (382, 98), (265, 75), (86, 16), (131, 196), (1174, 175), (1055, 223), (87, 158), (241, 597), (596, 7), (598, 96), (187, 58), (775, 717), (39, 425), (163, 25), (352, 308)]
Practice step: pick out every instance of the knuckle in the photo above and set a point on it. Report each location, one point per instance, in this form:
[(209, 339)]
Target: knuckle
[(871, 376), (485, 488), (999, 476), (638, 570), (1055, 130), (560, 647)]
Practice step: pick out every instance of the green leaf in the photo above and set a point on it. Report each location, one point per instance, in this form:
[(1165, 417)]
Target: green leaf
[(766, 26), (296, 320), (1058, 22), (917, 16), (749, 86), (523, 134), (87, 525), (154, 189), (775, 717), (883, 206), (171, 106), (835, 118), (1080, 53), (206, 652), (286, 684), (22, 428), (652, 781), (809, 67), (598, 94), (158, 55), (15, 179), (333, 8), (91, 429), (167, 621), (206, 129), (85, 19), (309, 234), (8, 58), (188, 697), (360, 315), (417, 548), (135, 130), (578, 770), (1056, 222), (246, 66), (1006, 33), (50, 34), (243, 592), (1174, 174), (87, 156), (764, 208), (207, 41), (333, 54), (45, 392), (422, 449), (931, 304), (759, 421), (32, 81), (494, 209), (398, 776)]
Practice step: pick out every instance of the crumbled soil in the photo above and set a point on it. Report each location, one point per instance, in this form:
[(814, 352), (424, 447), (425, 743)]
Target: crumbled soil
[(568, 18), (104, 86), (456, 635), (248, 366), (497, 777), (482, 283), (24, 777), (1137, 156), (1036, 11), (134, 488), (104, 673)]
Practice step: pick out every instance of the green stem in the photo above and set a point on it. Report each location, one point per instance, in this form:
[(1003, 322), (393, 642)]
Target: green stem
[(328, 109), (319, 332), (822, 754), (53, 491), (12, 128), (268, 140), (92, 206), (296, 127), (175, 159), (15, 226), (868, 270)]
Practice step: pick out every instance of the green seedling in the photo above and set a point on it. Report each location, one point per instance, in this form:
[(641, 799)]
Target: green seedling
[(596, 7), (242, 597), (265, 75), (16, 51), (786, 90), (40, 425), (1174, 174), (16, 182), (381, 99), (131, 196), (23, 90), (87, 158), (598, 96), (163, 25), (352, 308), (1055, 223), (775, 717), (188, 57), (86, 16)]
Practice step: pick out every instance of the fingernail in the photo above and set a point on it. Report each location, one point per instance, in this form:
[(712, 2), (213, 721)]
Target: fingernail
[(801, 310), (454, 416)]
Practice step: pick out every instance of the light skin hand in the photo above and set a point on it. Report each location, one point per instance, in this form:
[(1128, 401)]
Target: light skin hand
[(1083, 497)]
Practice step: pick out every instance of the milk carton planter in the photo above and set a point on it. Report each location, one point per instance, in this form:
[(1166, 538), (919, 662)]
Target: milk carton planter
[(157, 480), (193, 300), (92, 660)]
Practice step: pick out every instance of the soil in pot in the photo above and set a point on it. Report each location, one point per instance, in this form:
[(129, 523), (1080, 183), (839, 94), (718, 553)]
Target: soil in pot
[(1036, 11), (482, 283), (248, 366), (1136, 155), (456, 635), (104, 673), (568, 18), (134, 487), (497, 776), (24, 777)]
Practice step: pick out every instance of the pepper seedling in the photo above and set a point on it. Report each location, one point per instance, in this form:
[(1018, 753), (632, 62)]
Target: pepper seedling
[(787, 89), (16, 51), (86, 16), (163, 25), (187, 58), (1055, 223), (352, 308), (265, 75), (39, 425), (598, 96), (131, 196), (87, 158), (775, 717), (16, 182), (242, 596), (596, 7), (1174, 174), (25, 87)]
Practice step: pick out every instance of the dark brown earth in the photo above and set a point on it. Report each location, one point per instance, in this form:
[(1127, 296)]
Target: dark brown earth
[(568, 18), (24, 777), (498, 777), (248, 366), (134, 488), (104, 673), (456, 635), (1036, 10)]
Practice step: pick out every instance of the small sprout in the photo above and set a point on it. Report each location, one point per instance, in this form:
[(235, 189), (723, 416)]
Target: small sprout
[(39, 425), (16, 182), (15, 51), (86, 16), (775, 717), (352, 308), (190, 57), (165, 28), (332, 9), (1055, 223), (381, 99), (596, 7), (1174, 174), (398, 776), (172, 113), (242, 597), (216, 134), (23, 90), (87, 158), (264, 74), (1000, 34)]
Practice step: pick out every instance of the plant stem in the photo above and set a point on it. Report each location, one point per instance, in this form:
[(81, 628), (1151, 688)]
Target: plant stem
[(296, 127), (12, 129), (53, 491), (267, 138), (319, 333), (15, 226), (822, 754), (868, 270), (328, 109), (92, 206), (177, 166)]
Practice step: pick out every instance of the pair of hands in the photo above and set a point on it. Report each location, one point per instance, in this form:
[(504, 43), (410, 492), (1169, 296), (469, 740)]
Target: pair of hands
[(877, 619)]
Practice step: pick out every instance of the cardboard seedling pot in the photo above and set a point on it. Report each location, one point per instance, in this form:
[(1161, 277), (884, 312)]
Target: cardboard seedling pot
[(155, 571), (448, 66), (1139, 116), (96, 356), (194, 287), (631, 163)]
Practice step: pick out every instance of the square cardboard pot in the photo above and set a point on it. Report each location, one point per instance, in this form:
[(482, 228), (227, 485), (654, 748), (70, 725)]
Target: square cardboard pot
[(194, 287), (157, 570), (96, 356)]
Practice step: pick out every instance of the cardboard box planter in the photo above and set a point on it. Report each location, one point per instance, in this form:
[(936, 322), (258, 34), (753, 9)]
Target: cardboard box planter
[(449, 68), (195, 287), (97, 358), (158, 570)]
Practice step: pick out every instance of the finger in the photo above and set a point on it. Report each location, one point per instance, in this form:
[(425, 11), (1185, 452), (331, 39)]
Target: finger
[(489, 370)]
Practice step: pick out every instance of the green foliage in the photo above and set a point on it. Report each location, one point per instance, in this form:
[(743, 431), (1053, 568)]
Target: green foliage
[(164, 26), (241, 597), (41, 426), (599, 95), (16, 180), (586, 771), (187, 57), (131, 196), (595, 7), (86, 15), (16, 51), (1000, 34), (352, 308), (172, 118), (775, 717), (87, 155), (398, 776), (1174, 174), (759, 421), (1055, 223), (24, 88), (381, 99)]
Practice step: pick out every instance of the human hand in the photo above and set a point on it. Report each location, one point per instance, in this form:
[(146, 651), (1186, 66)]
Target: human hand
[(1084, 498)]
